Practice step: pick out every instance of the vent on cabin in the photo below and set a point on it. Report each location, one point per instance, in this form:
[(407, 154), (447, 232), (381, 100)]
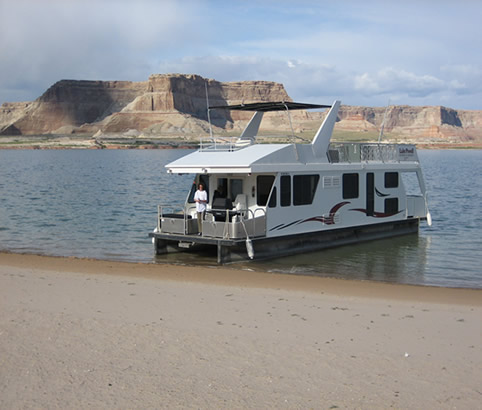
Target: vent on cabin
[(331, 182)]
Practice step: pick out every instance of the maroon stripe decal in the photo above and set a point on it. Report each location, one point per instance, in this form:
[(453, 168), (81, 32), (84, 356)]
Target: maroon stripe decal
[(376, 214), (327, 220)]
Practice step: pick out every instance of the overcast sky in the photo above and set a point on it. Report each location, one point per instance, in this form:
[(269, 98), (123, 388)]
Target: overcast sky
[(363, 52)]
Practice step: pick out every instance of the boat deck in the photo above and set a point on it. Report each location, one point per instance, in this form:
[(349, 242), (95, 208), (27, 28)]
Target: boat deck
[(197, 239), (232, 250)]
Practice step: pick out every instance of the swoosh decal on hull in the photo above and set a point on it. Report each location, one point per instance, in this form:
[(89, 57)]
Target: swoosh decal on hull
[(327, 220), (380, 194), (376, 214)]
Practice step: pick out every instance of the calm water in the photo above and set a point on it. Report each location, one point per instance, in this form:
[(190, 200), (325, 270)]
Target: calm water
[(101, 204)]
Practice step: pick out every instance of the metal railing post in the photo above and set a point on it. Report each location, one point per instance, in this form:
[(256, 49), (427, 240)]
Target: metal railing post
[(159, 214)]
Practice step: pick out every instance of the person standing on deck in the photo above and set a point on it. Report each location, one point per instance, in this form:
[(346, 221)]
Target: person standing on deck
[(201, 199)]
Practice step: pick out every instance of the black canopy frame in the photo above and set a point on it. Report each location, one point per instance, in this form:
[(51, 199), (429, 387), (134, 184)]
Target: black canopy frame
[(270, 106)]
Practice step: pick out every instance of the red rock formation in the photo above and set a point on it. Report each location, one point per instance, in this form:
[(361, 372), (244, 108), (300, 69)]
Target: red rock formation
[(116, 106), (176, 104)]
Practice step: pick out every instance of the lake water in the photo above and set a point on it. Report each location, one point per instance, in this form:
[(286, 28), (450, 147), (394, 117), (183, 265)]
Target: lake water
[(102, 204)]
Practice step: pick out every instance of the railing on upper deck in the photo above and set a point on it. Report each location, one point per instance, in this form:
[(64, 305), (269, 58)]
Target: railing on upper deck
[(370, 152), (223, 143)]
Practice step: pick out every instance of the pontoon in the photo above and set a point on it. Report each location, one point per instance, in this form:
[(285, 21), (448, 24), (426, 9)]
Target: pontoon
[(270, 200)]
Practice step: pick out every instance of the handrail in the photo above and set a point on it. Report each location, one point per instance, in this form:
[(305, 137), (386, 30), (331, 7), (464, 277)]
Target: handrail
[(224, 143), (353, 152), (185, 213), (242, 212), (159, 215)]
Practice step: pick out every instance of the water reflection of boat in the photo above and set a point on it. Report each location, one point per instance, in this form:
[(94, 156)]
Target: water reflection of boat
[(400, 260), (281, 199)]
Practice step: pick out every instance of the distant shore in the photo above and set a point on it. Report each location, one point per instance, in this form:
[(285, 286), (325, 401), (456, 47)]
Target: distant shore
[(120, 142), (85, 333), (88, 142)]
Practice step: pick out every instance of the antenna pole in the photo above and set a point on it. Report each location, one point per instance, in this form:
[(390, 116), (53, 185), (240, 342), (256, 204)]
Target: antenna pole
[(208, 110), (291, 125), (383, 122)]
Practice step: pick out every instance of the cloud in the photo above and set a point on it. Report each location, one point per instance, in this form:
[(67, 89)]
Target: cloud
[(390, 80), (463, 79), (364, 53), (322, 83), (44, 41)]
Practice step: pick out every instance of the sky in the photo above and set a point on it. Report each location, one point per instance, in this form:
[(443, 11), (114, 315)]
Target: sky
[(371, 53)]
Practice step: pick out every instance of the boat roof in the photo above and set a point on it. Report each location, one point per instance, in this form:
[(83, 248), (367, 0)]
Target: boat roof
[(270, 106), (254, 158)]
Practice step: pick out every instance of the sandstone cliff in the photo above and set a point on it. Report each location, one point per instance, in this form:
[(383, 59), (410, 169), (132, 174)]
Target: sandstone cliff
[(175, 104), (415, 122)]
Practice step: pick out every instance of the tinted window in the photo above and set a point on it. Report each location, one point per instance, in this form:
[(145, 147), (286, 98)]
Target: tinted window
[(222, 188), (350, 186), (263, 184), (285, 188), (391, 205), (391, 179), (236, 187), (370, 194), (304, 188)]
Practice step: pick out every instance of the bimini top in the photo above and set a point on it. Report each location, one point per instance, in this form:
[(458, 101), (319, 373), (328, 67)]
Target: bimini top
[(270, 106)]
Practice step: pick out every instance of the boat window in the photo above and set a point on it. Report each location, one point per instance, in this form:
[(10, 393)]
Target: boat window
[(370, 193), (304, 188), (391, 179), (350, 186), (263, 184), (391, 206), (235, 188), (228, 188), (221, 188), (285, 190), (190, 199)]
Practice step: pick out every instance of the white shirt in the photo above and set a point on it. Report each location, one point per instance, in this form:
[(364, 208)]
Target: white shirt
[(201, 196)]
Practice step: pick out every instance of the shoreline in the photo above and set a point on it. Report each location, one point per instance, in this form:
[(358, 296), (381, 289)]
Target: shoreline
[(67, 142), (232, 276), (196, 146)]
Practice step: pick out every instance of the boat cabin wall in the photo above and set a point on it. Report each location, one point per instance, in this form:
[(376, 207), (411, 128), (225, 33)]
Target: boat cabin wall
[(313, 201), (310, 201)]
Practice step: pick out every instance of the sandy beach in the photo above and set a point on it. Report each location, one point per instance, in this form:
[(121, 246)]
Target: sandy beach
[(78, 333)]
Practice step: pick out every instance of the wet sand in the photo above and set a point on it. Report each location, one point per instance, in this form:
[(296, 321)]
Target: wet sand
[(78, 333)]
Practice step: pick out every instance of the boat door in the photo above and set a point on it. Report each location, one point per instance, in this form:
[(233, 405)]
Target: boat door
[(370, 194)]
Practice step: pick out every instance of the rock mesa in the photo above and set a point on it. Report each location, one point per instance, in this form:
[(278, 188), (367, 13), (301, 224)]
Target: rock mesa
[(175, 104)]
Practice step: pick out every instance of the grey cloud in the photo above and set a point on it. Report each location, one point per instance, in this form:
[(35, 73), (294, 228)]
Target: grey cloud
[(44, 41), (321, 83), (361, 53), (390, 80)]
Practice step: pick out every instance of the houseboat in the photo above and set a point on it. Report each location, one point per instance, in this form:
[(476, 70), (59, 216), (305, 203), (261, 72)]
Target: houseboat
[(270, 200)]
